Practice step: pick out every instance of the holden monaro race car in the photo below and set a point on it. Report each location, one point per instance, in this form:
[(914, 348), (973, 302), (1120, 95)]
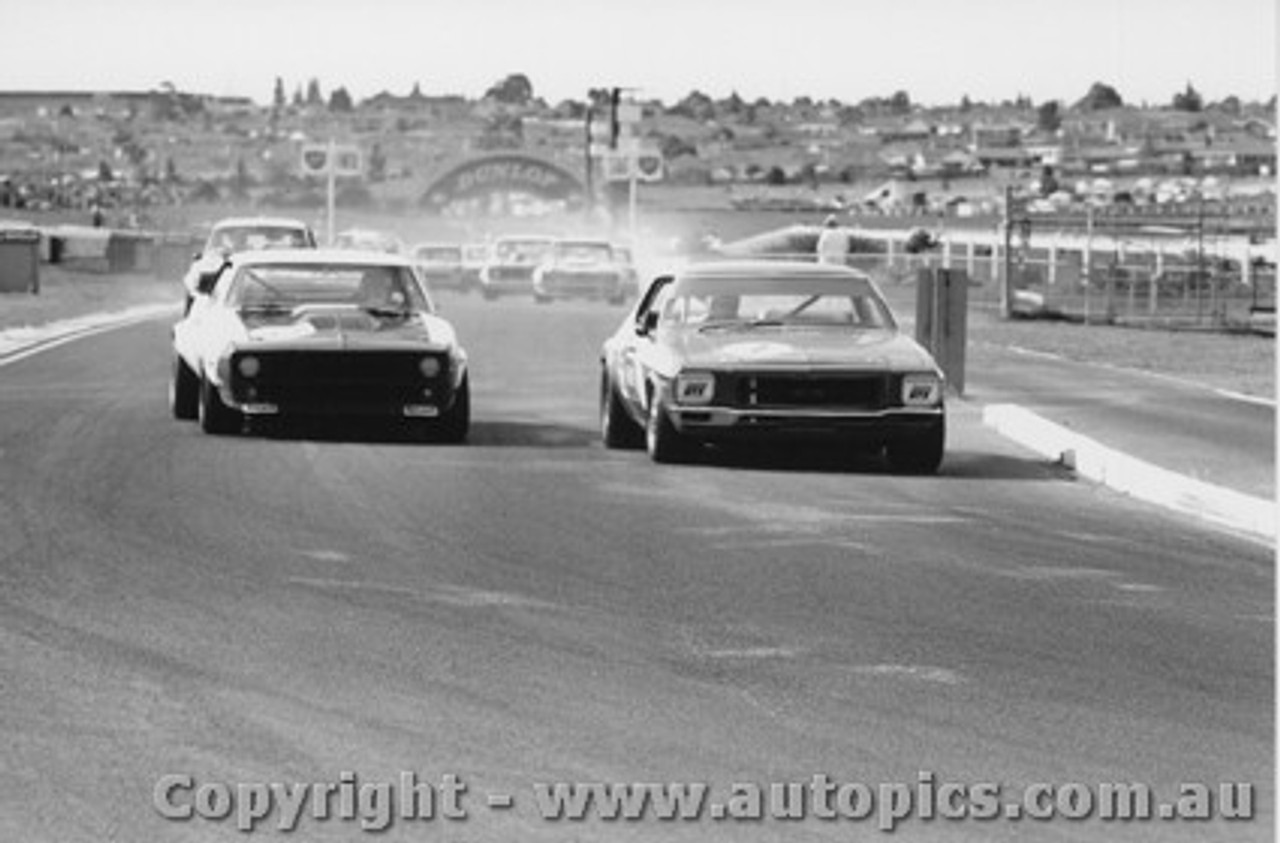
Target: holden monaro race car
[(233, 235), (320, 332), (762, 350), (441, 265), (580, 269), (511, 263)]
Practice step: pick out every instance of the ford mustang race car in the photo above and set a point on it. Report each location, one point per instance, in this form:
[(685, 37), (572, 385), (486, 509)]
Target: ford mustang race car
[(763, 350), (579, 269), (233, 235), (318, 333)]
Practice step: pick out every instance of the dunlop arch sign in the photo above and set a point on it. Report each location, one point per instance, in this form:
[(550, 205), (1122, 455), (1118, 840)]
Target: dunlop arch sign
[(498, 174)]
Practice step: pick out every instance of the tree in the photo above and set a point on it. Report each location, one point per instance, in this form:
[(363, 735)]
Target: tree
[(966, 105), (1188, 100), (1049, 116), (775, 176), (900, 102), (515, 89), (1100, 97), (314, 97), (340, 101), (1231, 106), (277, 98), (696, 106), (297, 97)]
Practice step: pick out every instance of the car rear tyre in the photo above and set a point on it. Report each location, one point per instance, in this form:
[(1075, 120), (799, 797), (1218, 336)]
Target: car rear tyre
[(489, 294), (617, 428), (215, 416), (919, 454), (184, 391), (456, 421), (663, 442), (541, 299)]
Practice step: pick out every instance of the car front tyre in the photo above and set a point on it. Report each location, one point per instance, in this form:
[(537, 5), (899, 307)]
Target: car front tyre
[(456, 421), (184, 391), (215, 416), (617, 428), (920, 453), (663, 442)]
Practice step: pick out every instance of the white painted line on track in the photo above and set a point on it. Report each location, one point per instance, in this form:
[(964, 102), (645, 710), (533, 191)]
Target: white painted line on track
[(58, 334), (1138, 478)]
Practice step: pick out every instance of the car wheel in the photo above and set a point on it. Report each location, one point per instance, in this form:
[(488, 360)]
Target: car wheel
[(617, 428), (215, 416), (455, 422), (663, 442), (919, 454), (489, 293), (541, 299), (184, 391)]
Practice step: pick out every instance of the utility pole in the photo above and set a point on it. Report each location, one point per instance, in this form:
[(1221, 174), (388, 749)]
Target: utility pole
[(590, 199), (1006, 283)]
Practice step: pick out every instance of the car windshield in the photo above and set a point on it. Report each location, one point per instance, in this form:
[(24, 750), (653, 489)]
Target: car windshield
[(521, 251), (234, 240), (583, 253), (285, 287), (747, 303)]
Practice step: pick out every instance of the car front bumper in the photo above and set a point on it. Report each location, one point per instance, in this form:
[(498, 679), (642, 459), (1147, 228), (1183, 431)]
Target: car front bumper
[(871, 425)]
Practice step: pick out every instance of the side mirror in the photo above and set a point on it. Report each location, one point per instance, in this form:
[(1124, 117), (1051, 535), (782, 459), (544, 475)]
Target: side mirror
[(208, 280), (646, 323)]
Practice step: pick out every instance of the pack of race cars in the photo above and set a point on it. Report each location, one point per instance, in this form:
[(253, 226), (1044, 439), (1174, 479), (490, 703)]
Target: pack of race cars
[(712, 353)]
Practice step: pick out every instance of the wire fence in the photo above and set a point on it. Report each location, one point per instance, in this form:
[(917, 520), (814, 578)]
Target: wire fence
[(1146, 289)]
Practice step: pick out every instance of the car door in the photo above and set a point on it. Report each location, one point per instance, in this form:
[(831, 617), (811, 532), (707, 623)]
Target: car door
[(638, 344)]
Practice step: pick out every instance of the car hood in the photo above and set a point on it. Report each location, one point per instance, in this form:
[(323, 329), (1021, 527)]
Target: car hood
[(347, 329), (807, 348)]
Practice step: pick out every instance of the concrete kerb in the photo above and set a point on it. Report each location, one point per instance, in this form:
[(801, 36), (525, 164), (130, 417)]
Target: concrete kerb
[(1092, 460)]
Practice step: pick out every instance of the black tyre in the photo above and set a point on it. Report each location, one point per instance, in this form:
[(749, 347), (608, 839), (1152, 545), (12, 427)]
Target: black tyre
[(919, 454), (184, 391), (541, 299), (617, 428), (489, 293), (216, 417), (456, 421), (663, 442)]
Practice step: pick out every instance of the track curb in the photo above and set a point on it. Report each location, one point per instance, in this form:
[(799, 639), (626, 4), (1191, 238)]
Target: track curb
[(1145, 481)]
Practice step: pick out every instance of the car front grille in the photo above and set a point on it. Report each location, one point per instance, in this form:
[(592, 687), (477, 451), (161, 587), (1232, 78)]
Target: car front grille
[(339, 381), (777, 390)]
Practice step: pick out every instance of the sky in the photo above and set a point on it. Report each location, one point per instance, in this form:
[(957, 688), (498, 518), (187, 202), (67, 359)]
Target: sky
[(935, 50)]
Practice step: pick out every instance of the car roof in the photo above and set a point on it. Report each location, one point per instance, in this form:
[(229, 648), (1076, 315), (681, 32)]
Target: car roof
[(252, 222), (765, 269), (525, 238), (319, 257)]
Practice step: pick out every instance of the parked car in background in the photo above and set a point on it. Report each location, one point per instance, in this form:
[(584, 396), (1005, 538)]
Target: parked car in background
[(318, 332), (579, 268), (369, 240), (441, 265), (510, 264), (233, 235), (759, 350)]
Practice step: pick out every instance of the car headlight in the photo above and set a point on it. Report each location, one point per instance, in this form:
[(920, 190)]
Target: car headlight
[(429, 366), (695, 387), (921, 390), (249, 366)]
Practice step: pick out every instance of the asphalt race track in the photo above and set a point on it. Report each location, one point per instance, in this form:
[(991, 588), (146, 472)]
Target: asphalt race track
[(532, 608)]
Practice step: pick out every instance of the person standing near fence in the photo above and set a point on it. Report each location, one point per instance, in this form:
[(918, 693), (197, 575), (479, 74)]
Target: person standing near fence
[(833, 242)]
